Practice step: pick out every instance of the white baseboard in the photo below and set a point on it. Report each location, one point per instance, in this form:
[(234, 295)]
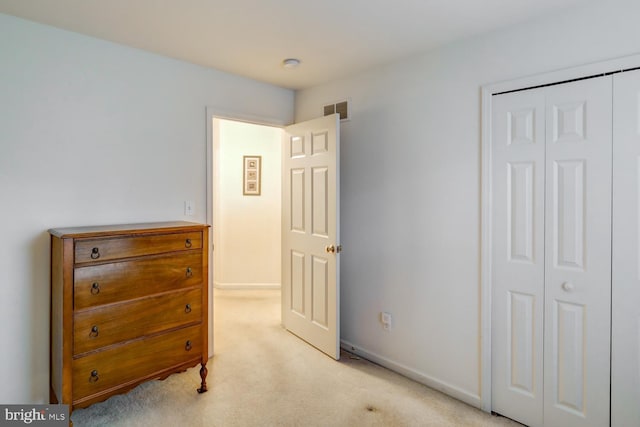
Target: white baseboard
[(448, 389), (219, 285)]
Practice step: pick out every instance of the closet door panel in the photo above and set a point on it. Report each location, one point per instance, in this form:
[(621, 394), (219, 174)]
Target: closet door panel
[(578, 253), (518, 255), (625, 339)]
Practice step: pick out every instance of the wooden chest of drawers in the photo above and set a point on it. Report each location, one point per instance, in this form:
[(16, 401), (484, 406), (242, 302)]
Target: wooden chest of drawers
[(129, 303)]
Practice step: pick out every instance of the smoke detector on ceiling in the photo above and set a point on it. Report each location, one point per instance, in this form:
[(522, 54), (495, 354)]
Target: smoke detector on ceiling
[(291, 63)]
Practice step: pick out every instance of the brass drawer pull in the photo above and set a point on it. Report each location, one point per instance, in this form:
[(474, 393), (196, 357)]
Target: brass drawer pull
[(189, 272), (94, 331), (95, 253), (95, 288), (94, 376), (187, 345), (187, 308), (187, 243)]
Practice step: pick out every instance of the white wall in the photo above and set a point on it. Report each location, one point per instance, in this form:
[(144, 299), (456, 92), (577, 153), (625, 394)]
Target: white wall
[(410, 185), (93, 133), (247, 228)]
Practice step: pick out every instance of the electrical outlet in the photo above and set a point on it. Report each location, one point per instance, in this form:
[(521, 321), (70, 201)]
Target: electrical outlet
[(386, 319), (189, 207)]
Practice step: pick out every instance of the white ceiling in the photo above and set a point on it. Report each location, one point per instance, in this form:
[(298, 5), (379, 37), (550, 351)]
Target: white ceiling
[(332, 38)]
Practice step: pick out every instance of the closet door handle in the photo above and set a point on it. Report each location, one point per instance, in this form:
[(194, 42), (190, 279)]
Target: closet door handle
[(568, 287)]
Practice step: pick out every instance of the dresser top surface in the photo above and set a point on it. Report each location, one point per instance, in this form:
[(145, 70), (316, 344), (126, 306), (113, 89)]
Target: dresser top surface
[(123, 229)]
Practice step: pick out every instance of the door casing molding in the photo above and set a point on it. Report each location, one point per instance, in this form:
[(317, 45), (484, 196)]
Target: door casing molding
[(487, 91)]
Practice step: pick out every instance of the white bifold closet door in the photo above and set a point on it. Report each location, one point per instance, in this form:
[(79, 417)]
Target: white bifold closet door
[(518, 158), (551, 254), (625, 340)]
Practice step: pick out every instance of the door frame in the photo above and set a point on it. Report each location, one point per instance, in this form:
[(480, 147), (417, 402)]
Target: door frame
[(224, 114), (596, 69)]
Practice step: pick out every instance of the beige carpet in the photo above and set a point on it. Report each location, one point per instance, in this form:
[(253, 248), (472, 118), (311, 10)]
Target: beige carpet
[(261, 375)]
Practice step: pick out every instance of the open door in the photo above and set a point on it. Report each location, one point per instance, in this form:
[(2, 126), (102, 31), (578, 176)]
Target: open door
[(310, 233)]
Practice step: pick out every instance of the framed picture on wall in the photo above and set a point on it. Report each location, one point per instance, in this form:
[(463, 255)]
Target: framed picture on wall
[(251, 175)]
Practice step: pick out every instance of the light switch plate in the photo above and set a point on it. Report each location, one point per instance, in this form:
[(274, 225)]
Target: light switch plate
[(189, 207)]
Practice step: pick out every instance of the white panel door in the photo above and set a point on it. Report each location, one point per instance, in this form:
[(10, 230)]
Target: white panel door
[(518, 149), (625, 328), (310, 233), (578, 253), (551, 254)]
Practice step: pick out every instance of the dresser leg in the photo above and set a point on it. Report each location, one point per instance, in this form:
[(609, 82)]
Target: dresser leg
[(203, 375)]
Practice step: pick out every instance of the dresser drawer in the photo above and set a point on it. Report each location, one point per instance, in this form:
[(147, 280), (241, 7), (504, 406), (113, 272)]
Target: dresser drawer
[(115, 323), (125, 280), (97, 250), (123, 365)]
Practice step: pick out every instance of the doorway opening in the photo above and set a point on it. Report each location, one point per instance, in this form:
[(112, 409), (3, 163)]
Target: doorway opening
[(247, 211), (246, 222), (220, 125), (248, 231)]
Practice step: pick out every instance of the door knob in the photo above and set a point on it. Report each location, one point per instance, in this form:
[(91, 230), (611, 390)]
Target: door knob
[(331, 249), (568, 286)]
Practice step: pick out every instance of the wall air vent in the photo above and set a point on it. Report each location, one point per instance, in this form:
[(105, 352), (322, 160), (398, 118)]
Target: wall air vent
[(329, 109), (341, 108)]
